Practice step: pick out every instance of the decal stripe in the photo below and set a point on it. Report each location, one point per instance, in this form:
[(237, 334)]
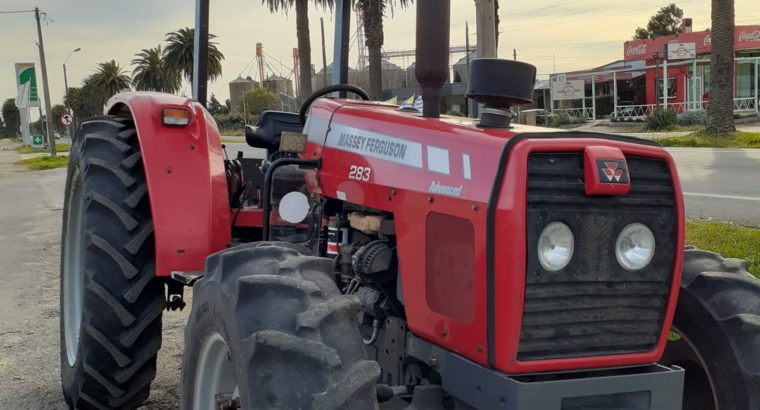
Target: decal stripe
[(466, 166), (438, 160), (375, 145)]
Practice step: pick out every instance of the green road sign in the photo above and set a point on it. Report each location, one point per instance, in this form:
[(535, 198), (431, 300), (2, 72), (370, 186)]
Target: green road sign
[(38, 142)]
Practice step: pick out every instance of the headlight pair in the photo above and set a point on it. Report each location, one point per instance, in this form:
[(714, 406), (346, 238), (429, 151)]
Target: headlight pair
[(634, 247)]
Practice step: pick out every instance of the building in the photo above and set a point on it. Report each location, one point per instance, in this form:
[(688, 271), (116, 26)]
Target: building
[(685, 84), (633, 86)]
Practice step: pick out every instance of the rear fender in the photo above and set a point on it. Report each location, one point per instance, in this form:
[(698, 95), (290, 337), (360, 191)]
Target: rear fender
[(187, 185)]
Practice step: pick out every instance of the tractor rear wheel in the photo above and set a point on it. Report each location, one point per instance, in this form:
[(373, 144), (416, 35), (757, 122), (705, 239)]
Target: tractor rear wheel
[(269, 329), (716, 333), (110, 299)]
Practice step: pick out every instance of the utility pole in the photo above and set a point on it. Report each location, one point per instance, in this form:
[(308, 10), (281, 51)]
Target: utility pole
[(468, 106), (66, 89), (485, 15), (45, 88), (324, 52), (514, 53)]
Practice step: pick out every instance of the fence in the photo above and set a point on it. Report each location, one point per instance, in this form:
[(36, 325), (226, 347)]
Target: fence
[(637, 112)]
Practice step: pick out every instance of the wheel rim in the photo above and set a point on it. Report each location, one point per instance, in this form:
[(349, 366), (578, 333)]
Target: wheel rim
[(215, 378), (699, 388), (73, 278)]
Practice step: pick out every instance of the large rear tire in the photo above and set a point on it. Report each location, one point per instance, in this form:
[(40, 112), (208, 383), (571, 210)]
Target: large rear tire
[(110, 299), (270, 330), (717, 333)]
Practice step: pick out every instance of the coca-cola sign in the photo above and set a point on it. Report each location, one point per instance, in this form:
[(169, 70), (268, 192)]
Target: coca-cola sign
[(708, 40), (638, 50), (749, 35)]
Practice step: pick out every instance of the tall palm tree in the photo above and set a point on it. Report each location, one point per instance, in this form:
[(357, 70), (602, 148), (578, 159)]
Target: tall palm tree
[(108, 79), (720, 110), (179, 54), (373, 12), (151, 72), (304, 39)]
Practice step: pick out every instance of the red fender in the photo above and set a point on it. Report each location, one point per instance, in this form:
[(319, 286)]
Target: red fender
[(184, 168)]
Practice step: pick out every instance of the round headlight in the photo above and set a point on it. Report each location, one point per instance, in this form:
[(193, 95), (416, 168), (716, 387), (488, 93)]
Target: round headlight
[(555, 246), (634, 247)]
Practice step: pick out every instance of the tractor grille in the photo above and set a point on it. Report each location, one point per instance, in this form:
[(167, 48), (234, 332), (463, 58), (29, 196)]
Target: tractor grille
[(594, 306)]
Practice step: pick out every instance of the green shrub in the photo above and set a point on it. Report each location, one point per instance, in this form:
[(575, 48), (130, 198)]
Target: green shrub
[(662, 120), (560, 119), (695, 117)]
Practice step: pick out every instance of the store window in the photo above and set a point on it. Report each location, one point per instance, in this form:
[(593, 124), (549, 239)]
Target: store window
[(746, 78), (672, 88)]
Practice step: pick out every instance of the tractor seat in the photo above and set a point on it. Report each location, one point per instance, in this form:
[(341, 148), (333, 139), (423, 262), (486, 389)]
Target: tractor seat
[(266, 133)]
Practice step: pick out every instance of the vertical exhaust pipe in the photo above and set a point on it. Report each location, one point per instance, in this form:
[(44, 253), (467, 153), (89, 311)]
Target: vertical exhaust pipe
[(432, 54)]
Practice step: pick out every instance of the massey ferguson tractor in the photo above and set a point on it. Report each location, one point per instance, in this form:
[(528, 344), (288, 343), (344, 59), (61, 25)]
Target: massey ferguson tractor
[(383, 258)]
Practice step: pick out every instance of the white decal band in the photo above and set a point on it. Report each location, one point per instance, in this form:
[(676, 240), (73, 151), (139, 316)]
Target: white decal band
[(375, 145)]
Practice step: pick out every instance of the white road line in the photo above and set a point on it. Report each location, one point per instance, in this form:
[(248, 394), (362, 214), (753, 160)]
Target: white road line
[(720, 196)]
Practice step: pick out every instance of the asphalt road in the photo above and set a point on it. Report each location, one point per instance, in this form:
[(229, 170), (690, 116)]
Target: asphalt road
[(722, 184)]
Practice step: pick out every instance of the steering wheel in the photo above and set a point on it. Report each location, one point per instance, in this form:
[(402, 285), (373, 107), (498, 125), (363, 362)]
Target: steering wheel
[(327, 90)]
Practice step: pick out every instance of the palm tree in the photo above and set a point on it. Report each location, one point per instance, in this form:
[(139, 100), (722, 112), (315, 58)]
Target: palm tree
[(304, 39), (152, 73), (107, 80), (180, 46), (373, 12), (720, 110)]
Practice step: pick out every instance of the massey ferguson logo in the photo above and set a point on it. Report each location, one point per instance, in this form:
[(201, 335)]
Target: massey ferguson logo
[(638, 50), (752, 36), (612, 171)]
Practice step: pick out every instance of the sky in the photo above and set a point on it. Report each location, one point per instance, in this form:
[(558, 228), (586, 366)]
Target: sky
[(554, 35)]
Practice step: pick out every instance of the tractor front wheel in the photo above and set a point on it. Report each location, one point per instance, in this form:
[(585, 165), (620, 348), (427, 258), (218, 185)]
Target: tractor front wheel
[(270, 330), (110, 299), (716, 333)]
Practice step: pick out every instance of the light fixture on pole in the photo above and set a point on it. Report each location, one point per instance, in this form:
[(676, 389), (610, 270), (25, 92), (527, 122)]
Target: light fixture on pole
[(66, 85)]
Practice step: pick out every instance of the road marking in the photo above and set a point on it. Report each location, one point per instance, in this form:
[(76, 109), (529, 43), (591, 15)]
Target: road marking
[(719, 196)]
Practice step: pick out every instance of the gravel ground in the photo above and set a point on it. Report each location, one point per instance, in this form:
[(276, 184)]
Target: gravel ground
[(31, 205)]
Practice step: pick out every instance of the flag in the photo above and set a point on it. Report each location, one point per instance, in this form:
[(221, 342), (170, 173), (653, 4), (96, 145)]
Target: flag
[(393, 101)]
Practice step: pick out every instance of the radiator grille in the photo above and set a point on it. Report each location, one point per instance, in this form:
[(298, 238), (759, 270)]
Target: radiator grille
[(594, 306)]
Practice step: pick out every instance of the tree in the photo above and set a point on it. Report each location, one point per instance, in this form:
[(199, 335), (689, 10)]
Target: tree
[(215, 107), (152, 73), (58, 110), (180, 48), (11, 117), (259, 100), (108, 80), (304, 39), (373, 12), (720, 110), (75, 100), (666, 21), (2, 129)]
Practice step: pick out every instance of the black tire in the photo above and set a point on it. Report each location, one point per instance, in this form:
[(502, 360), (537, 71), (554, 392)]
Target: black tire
[(121, 299), (292, 336), (717, 326)]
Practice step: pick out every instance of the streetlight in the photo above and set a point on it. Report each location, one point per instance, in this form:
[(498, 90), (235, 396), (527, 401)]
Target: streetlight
[(66, 84)]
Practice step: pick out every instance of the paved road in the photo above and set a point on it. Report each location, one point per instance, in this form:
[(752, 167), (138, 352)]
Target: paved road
[(722, 184), (31, 205)]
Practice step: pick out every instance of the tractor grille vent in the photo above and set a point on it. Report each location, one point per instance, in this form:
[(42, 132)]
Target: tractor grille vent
[(594, 306)]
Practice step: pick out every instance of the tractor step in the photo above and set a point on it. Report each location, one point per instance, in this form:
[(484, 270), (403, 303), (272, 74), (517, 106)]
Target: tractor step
[(186, 278)]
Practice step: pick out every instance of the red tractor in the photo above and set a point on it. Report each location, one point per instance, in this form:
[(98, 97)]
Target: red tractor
[(382, 256)]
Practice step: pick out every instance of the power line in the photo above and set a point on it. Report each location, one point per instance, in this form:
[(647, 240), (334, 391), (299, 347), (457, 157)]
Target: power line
[(522, 13), (16, 11)]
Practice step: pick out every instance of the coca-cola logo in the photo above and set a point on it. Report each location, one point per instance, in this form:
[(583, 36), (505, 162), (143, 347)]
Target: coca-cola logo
[(751, 36), (708, 40), (638, 50)]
